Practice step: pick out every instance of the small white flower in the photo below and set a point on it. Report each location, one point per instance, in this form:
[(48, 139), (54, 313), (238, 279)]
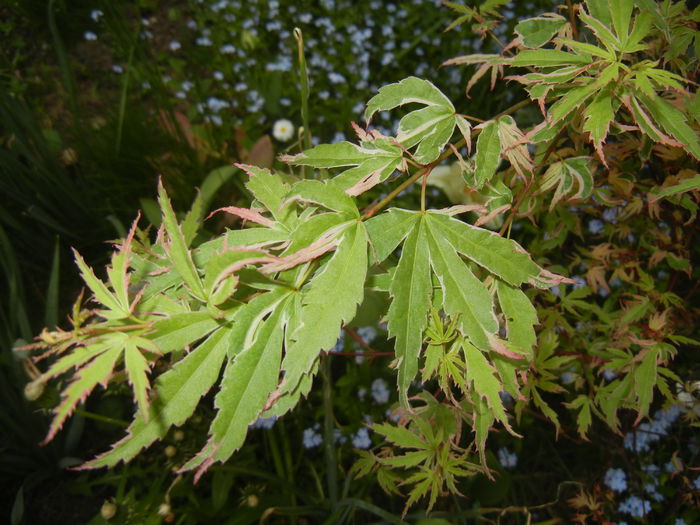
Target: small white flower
[(117, 69), (283, 130), (89, 35), (174, 45), (95, 14)]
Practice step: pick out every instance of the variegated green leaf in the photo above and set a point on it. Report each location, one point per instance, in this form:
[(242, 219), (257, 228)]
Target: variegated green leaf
[(673, 121), (548, 58), (536, 32), (87, 378), (178, 393), (488, 153), (247, 382), (325, 194), (500, 256), (521, 317), (430, 127), (373, 160), (408, 314), (177, 247), (485, 382), (387, 230), (465, 297), (328, 300), (270, 190), (597, 118)]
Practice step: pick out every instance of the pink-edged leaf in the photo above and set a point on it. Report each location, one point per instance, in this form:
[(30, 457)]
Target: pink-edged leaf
[(366, 183), (246, 214), (136, 366), (88, 377), (328, 241)]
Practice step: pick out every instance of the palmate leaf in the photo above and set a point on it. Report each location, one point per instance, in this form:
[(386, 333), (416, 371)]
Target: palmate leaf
[(178, 392), (328, 300), (430, 127), (374, 160), (97, 371), (432, 241), (117, 303)]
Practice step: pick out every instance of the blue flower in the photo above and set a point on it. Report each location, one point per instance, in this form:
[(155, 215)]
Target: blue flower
[(651, 490), (214, 119), (336, 78), (380, 392), (616, 479), (580, 282), (610, 215), (361, 439), (635, 507), (506, 458), (679, 521), (96, 14), (608, 374), (339, 344), (338, 436), (595, 226), (312, 438), (366, 333), (264, 422), (89, 35)]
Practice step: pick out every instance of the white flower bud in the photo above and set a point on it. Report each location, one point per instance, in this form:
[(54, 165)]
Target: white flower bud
[(108, 510), (33, 390)]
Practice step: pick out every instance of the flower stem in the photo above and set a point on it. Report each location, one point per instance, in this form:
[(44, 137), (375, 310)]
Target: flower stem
[(328, 424)]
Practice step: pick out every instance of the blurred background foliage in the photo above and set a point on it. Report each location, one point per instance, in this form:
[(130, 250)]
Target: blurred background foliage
[(98, 99)]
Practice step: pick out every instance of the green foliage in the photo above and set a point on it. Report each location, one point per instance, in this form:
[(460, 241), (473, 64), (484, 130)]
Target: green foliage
[(257, 308)]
